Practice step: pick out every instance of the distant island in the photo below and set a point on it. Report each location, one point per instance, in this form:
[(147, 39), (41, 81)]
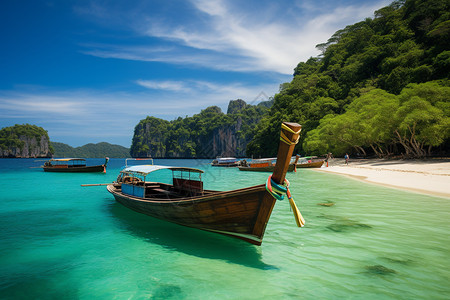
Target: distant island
[(102, 149), (31, 141), (24, 141)]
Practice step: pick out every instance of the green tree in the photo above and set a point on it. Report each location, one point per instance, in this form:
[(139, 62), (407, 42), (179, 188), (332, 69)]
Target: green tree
[(423, 118), (418, 119)]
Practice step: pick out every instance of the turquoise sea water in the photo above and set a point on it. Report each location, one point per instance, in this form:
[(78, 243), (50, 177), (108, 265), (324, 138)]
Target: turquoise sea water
[(62, 241)]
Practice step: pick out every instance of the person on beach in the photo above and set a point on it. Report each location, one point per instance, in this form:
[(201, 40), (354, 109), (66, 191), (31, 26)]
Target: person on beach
[(329, 156), (346, 158)]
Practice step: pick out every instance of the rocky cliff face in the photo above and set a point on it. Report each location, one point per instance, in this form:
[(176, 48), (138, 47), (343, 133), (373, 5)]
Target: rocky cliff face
[(206, 135), (31, 148), (24, 141), (150, 137), (224, 141)]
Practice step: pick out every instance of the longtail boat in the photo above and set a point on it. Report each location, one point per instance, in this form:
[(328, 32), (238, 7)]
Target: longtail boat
[(315, 164), (264, 165), (241, 213), (225, 162), (310, 162), (72, 165)]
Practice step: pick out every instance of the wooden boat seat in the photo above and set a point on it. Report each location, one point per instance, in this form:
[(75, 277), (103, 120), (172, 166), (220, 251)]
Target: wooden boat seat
[(156, 192), (161, 191)]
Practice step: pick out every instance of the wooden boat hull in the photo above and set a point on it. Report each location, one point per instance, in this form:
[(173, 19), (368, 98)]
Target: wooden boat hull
[(84, 169), (315, 164), (264, 169), (225, 165), (242, 213)]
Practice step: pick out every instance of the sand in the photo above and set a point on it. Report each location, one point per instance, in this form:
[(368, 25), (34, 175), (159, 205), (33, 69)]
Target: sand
[(431, 176)]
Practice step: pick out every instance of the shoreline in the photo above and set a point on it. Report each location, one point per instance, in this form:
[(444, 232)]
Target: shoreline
[(429, 176)]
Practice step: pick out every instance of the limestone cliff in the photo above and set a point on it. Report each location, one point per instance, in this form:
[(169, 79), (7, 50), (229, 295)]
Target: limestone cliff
[(24, 141), (209, 134), (224, 141)]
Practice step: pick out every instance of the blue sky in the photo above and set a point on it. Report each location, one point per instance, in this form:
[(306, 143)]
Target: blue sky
[(88, 71)]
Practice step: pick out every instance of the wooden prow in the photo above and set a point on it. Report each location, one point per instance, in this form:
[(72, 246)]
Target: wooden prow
[(285, 151), (283, 159)]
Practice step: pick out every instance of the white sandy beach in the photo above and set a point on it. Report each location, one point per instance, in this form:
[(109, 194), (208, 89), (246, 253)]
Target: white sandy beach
[(423, 176)]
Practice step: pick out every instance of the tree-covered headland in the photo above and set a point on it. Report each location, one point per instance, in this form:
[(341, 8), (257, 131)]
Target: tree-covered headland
[(380, 87), (208, 134), (24, 141), (90, 150)]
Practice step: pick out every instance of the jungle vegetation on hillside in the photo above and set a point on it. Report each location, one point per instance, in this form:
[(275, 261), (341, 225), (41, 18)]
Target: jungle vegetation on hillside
[(10, 136), (192, 136), (98, 150), (380, 87)]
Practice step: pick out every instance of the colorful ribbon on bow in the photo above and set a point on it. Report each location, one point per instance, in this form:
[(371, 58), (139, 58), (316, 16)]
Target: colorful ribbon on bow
[(277, 191)]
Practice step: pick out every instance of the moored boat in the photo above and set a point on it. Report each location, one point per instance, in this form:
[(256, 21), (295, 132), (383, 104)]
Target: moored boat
[(241, 213), (73, 165), (225, 162), (264, 165), (310, 162)]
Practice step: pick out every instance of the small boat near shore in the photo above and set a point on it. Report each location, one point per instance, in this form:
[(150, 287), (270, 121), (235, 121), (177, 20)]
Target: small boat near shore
[(225, 162), (264, 165), (310, 162), (242, 213), (73, 165)]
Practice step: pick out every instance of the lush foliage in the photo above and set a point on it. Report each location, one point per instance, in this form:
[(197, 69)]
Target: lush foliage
[(208, 134), (416, 120), (367, 92), (13, 137), (91, 150)]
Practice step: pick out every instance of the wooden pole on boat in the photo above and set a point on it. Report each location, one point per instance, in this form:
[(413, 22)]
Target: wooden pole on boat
[(290, 133), (96, 184), (285, 151)]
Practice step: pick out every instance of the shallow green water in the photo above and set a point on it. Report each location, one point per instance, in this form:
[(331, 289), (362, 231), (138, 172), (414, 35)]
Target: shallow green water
[(61, 241)]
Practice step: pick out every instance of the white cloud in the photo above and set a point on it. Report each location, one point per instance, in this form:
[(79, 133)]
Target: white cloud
[(42, 104), (211, 7), (230, 37), (188, 97), (164, 85), (97, 115), (201, 92)]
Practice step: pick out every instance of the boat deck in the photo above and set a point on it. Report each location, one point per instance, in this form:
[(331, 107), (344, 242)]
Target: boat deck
[(163, 191)]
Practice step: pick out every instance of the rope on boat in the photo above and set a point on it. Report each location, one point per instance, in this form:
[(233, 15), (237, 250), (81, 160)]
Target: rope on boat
[(277, 191)]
